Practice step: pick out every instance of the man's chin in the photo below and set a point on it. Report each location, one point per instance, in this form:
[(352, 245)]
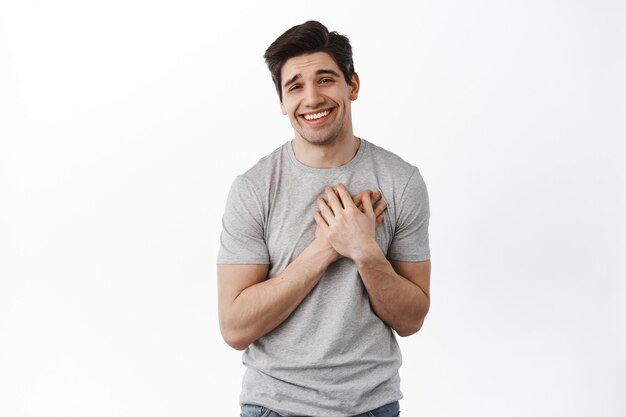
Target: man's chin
[(320, 140)]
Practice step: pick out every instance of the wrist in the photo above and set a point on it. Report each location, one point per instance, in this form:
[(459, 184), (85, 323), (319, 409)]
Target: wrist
[(323, 255), (368, 254)]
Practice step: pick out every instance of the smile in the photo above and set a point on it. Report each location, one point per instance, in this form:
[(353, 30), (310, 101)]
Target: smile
[(315, 116)]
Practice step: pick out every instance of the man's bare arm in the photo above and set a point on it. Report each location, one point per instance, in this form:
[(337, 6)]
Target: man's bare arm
[(399, 291), (251, 306)]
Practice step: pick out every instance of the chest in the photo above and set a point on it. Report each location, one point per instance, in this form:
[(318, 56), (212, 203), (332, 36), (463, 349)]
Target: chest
[(289, 226)]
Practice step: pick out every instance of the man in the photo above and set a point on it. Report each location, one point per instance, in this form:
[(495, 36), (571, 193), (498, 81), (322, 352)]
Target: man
[(324, 251)]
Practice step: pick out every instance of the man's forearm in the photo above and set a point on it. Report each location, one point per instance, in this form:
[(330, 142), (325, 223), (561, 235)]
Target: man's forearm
[(397, 301), (262, 307)]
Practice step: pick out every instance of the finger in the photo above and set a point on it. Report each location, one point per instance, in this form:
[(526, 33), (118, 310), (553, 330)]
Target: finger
[(333, 201), (367, 206), (325, 212), (320, 221), (376, 195), (380, 208), (357, 199), (346, 199), (379, 219)]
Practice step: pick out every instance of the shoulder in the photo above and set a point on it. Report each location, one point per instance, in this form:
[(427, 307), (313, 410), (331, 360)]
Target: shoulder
[(261, 173), (392, 165), (266, 164)]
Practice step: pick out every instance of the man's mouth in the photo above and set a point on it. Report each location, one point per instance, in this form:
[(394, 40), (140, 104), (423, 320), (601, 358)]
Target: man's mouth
[(317, 117)]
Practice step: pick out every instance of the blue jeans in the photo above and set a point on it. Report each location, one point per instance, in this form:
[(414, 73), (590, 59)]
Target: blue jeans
[(389, 410)]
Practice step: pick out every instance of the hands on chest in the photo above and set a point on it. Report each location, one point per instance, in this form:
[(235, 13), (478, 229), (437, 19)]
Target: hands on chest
[(251, 305), (348, 224)]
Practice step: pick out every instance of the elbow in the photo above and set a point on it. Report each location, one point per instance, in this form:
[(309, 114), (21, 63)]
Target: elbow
[(410, 329), (231, 333), (234, 341), (415, 324), (237, 345), (234, 338)]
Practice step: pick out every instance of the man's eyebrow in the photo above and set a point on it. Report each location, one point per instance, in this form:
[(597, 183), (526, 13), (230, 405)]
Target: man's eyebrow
[(327, 71), (318, 72), (291, 80)]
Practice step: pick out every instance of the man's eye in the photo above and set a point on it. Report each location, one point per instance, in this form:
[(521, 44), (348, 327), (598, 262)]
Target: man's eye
[(294, 87), (326, 80)]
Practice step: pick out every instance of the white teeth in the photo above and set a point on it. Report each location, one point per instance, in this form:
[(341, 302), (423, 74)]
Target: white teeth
[(315, 116)]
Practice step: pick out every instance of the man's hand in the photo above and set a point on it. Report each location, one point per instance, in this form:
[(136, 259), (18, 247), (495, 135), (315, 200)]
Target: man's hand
[(374, 197), (348, 226)]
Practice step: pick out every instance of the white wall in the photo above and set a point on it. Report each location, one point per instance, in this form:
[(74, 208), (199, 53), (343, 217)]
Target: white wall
[(123, 123)]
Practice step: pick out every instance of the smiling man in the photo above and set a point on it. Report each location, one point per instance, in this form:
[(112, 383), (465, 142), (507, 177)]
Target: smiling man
[(324, 253)]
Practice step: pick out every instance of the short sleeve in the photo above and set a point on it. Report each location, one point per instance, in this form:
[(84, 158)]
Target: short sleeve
[(410, 241), (242, 240)]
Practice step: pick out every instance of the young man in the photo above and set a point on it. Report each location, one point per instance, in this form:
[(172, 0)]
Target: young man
[(324, 251)]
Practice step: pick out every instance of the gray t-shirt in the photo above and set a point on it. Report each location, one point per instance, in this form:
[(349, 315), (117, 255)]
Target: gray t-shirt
[(333, 356)]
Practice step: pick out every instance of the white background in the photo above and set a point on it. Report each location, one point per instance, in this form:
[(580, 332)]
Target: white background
[(123, 124)]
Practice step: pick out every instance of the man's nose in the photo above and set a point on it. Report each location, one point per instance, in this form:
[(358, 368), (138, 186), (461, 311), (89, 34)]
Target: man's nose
[(312, 97)]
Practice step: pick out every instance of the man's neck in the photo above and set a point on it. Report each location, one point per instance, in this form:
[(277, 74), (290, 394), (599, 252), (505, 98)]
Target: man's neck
[(332, 155)]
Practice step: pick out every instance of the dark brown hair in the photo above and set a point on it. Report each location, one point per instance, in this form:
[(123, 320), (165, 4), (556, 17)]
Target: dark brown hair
[(308, 38)]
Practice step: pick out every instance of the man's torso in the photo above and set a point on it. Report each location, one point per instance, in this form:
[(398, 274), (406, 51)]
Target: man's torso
[(333, 355)]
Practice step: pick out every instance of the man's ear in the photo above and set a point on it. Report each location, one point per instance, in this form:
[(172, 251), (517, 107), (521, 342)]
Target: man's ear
[(282, 106), (354, 87)]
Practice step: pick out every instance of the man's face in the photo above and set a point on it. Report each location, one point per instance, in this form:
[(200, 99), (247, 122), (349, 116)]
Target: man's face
[(316, 97)]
